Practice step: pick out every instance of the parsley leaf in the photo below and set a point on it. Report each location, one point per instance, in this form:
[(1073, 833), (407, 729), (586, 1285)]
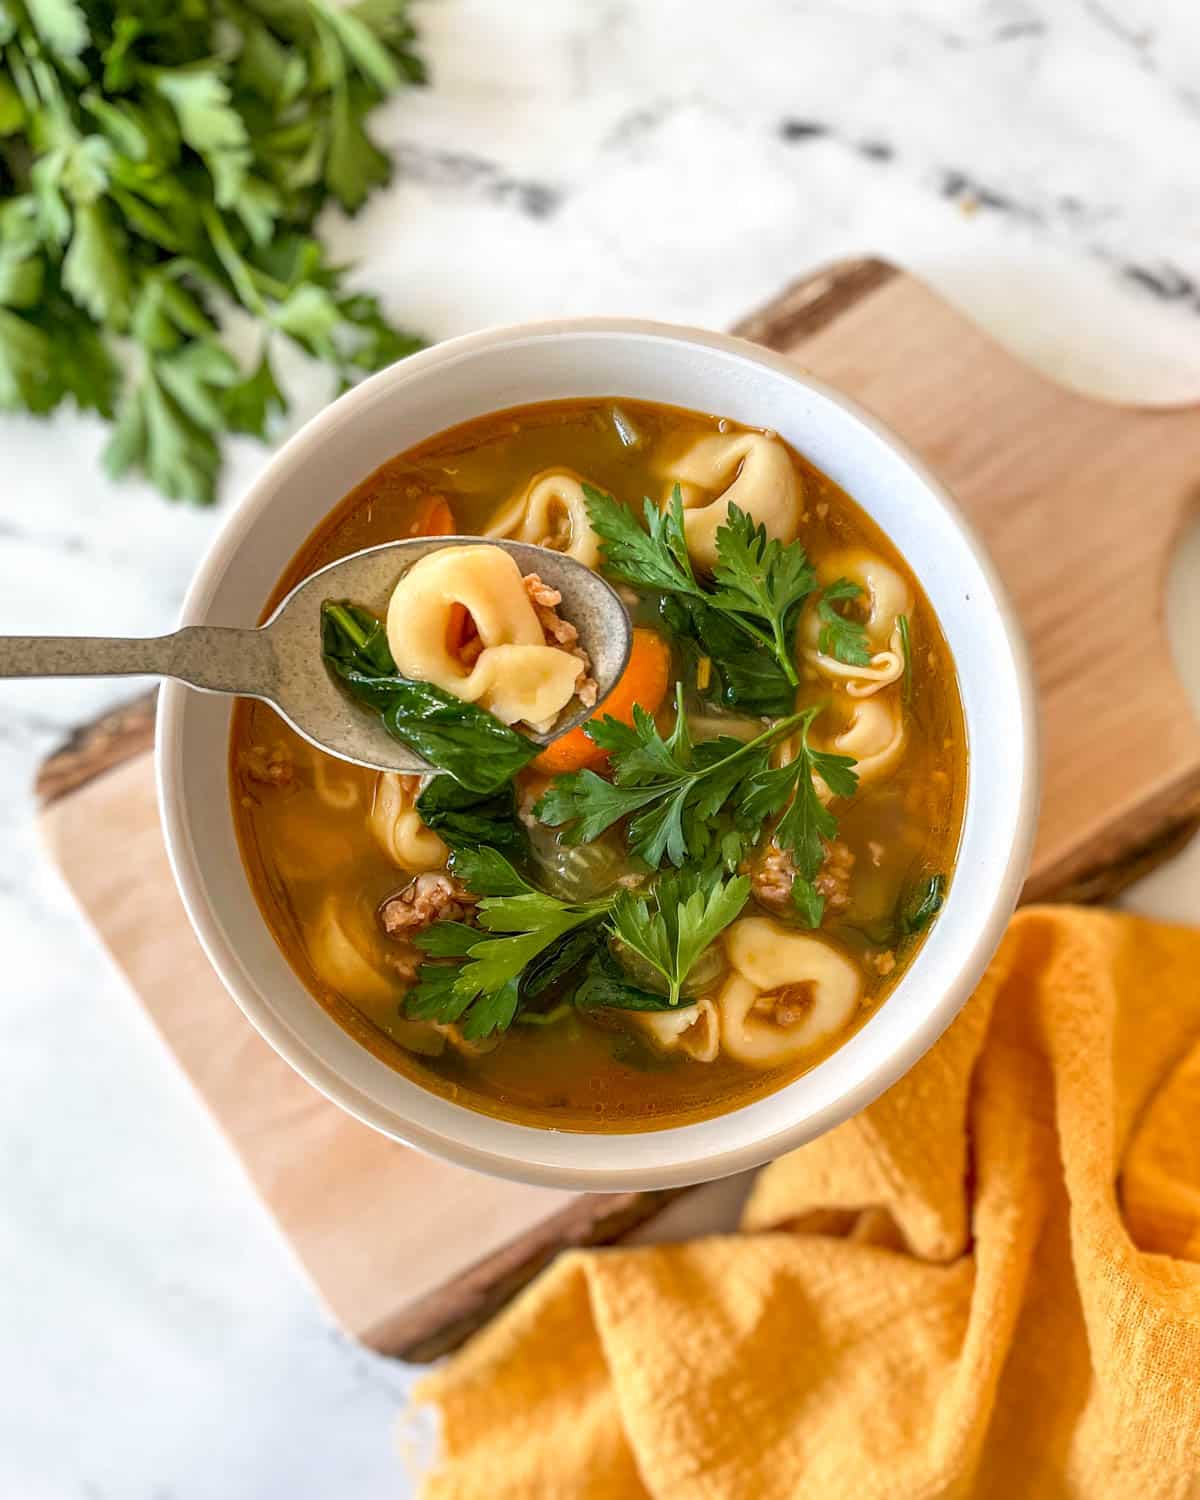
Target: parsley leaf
[(517, 951), (462, 739), (487, 872), (654, 558), (741, 674), (250, 404), (672, 926), (842, 637), (808, 901), (807, 820), (758, 577), (807, 824)]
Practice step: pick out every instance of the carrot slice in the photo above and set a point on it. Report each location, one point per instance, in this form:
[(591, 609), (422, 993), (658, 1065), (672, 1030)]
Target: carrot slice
[(644, 681), (460, 628), (435, 518)]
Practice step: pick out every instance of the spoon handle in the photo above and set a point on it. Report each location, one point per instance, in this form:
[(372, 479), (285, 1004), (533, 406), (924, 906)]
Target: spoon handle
[(220, 659)]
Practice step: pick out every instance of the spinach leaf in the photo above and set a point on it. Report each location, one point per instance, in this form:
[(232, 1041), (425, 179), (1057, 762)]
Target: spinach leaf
[(920, 904), (459, 738), (559, 961), (467, 819), (606, 986), (743, 675)]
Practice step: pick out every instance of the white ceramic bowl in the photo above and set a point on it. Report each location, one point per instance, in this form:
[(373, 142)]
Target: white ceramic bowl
[(683, 367)]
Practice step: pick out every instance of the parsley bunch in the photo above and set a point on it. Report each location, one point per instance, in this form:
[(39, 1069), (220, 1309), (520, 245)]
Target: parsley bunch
[(159, 160)]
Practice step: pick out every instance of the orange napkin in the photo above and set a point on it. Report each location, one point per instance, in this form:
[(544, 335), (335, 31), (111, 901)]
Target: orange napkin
[(987, 1284)]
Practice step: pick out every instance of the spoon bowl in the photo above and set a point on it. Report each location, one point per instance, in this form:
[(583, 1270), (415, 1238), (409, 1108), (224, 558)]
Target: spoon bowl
[(309, 698)]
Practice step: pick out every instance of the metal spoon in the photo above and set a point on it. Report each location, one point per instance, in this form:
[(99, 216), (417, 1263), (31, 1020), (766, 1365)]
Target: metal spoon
[(280, 662)]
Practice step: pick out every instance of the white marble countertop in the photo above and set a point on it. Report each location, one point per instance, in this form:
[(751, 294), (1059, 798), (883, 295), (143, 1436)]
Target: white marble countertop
[(1034, 159)]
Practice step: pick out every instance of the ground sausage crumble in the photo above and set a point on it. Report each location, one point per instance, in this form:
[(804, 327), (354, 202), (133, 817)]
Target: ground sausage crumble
[(774, 873), (426, 899), (561, 633)]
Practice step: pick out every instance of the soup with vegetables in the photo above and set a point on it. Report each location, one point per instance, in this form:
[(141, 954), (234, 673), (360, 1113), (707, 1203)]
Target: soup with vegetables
[(701, 892)]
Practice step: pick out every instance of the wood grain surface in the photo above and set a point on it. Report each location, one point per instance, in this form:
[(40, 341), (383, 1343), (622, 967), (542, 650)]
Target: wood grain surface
[(1079, 502)]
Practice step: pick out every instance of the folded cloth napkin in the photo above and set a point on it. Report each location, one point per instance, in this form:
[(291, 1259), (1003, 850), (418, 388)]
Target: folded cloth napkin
[(987, 1284)]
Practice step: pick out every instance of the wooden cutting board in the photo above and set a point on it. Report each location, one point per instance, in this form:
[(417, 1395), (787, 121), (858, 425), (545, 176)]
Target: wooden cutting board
[(1079, 501)]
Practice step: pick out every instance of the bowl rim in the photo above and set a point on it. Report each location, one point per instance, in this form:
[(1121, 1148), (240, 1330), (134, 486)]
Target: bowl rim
[(191, 883)]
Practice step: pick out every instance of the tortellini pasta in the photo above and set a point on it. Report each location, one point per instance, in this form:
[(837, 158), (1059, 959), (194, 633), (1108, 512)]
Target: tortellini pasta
[(786, 993), (397, 827), (551, 512), (334, 788), (874, 736), (747, 469), (691, 1029), (887, 597), (516, 675), (340, 950)]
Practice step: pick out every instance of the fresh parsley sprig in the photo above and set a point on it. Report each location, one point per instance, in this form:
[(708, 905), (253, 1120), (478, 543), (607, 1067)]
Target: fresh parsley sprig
[(760, 579), (517, 925), (758, 583), (842, 636), (807, 824), (671, 788), (655, 557), (671, 926)]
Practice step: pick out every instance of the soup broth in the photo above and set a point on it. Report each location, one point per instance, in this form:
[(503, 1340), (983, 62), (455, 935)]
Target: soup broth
[(327, 845)]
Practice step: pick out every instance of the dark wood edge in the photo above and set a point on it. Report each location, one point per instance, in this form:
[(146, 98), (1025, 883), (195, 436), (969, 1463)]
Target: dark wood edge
[(808, 305), (100, 746), (446, 1318), (1127, 851)]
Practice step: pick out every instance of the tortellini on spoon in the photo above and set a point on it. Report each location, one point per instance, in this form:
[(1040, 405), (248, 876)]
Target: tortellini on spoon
[(786, 993), (747, 469), (516, 675)]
